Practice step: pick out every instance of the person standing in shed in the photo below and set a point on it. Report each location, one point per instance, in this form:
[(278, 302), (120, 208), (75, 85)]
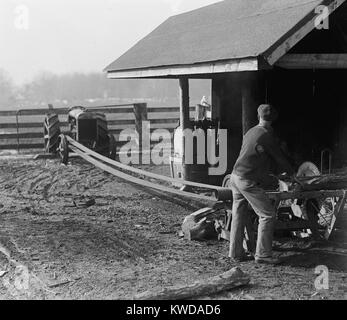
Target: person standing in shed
[(259, 159)]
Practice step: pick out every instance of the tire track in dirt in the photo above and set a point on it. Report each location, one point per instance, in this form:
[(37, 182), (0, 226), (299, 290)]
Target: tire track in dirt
[(48, 187), (26, 182), (29, 189), (19, 175), (45, 179), (36, 182)]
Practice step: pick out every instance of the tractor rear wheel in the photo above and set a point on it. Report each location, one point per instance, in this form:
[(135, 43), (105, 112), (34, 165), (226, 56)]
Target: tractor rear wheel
[(51, 132), (63, 149)]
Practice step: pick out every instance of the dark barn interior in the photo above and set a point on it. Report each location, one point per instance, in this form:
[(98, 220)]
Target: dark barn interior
[(312, 117), (311, 101), (311, 106)]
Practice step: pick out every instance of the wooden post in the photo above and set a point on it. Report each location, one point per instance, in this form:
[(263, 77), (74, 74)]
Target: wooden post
[(141, 115), (216, 99), (184, 119), (227, 105), (184, 103), (250, 100)]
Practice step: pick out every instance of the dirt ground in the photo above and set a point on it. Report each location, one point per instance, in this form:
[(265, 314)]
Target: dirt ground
[(56, 243)]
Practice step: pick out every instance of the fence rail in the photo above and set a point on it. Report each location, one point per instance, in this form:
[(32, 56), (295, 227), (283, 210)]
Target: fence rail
[(23, 129)]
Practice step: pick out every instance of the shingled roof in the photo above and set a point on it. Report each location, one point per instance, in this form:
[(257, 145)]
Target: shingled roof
[(232, 35)]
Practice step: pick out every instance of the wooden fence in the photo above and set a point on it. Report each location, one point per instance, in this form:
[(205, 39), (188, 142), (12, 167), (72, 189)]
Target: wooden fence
[(23, 129)]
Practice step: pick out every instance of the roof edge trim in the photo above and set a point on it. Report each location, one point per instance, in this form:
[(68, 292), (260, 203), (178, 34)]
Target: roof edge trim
[(234, 65)]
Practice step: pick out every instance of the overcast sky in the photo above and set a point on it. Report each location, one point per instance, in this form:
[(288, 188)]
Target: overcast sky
[(76, 35)]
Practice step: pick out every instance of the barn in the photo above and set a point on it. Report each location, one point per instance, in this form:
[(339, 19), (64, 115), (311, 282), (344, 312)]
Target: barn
[(290, 53)]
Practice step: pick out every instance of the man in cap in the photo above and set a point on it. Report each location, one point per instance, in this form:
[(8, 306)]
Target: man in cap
[(251, 176)]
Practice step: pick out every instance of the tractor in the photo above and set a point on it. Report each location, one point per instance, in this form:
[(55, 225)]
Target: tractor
[(86, 127)]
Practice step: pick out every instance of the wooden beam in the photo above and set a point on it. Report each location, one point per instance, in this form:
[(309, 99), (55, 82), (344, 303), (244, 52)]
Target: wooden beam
[(313, 61), (124, 108), (216, 99), (289, 40), (141, 120), (248, 105), (22, 146), (252, 97), (234, 65), (184, 119), (184, 102), (305, 195)]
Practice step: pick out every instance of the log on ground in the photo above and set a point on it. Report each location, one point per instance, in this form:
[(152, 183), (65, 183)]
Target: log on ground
[(227, 281)]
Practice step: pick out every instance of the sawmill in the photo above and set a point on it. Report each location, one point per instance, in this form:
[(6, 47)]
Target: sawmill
[(301, 68), (206, 161), (279, 52)]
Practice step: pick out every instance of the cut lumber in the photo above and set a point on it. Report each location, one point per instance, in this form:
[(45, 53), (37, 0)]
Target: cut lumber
[(229, 280), (324, 182)]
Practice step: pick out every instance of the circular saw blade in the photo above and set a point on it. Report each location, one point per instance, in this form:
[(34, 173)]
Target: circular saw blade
[(308, 169)]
